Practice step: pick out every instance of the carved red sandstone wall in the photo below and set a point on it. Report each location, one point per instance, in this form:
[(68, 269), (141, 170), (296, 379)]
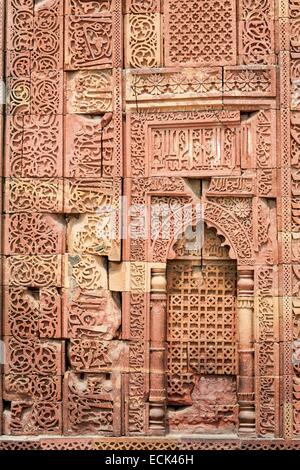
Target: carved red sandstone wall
[(132, 334)]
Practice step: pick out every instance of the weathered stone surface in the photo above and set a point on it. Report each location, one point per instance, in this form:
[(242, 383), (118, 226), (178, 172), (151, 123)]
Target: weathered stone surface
[(96, 234), (89, 355), (31, 314), (90, 149), (33, 195), (86, 272), (33, 418), (95, 196), (214, 406)]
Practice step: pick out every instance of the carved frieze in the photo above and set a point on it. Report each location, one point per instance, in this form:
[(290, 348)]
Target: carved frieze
[(191, 87)]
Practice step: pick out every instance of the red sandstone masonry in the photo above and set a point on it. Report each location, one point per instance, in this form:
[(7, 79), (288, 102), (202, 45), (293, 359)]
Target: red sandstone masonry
[(113, 337)]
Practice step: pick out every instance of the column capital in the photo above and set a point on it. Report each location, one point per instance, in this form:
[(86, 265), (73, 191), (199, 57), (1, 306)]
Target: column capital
[(245, 283)]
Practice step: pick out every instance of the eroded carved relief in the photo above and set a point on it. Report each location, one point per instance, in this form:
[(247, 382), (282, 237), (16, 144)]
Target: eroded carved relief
[(90, 42), (91, 314), (91, 404), (214, 407), (90, 148), (199, 347), (90, 92)]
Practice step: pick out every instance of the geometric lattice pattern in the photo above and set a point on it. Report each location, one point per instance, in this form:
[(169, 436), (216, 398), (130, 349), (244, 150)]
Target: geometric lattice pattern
[(201, 323), (194, 29)]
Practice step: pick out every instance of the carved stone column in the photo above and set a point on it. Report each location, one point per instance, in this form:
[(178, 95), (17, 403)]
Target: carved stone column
[(158, 338), (246, 388)]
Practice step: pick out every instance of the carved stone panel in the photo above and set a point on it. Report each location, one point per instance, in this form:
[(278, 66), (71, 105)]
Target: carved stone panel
[(184, 143), (201, 324), (202, 351), (90, 42)]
